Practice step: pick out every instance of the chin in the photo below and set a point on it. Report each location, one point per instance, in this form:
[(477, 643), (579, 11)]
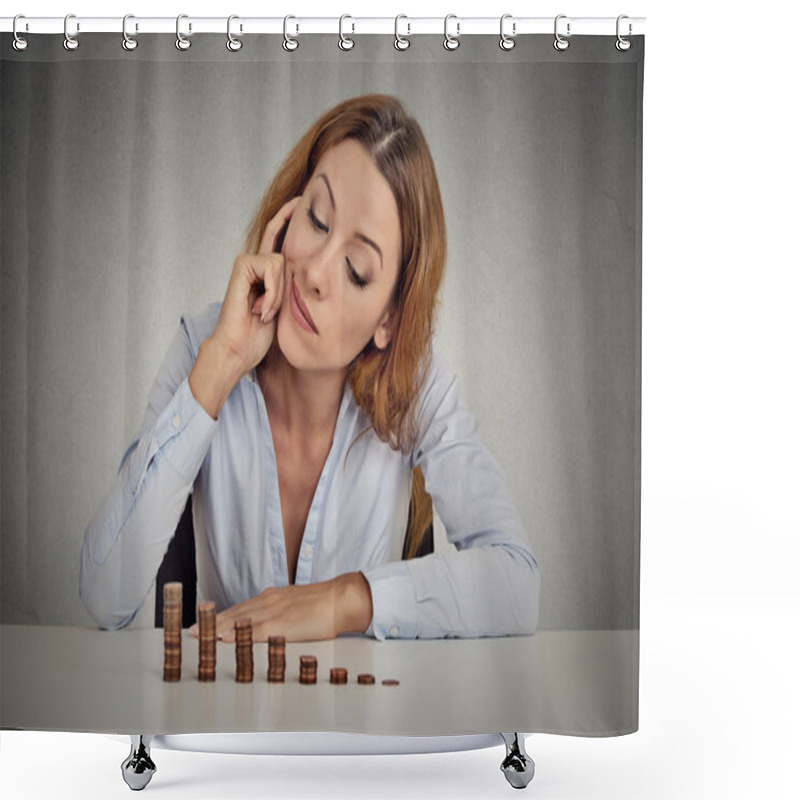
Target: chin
[(291, 348), (297, 351)]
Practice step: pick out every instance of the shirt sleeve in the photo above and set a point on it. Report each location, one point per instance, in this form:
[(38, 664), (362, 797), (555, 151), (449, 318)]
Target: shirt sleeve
[(490, 587), (128, 536)]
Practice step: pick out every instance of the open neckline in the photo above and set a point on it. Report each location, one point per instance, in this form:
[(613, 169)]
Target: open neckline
[(308, 540)]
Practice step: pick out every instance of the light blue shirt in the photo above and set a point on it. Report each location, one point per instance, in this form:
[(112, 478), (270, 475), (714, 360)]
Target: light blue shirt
[(357, 520)]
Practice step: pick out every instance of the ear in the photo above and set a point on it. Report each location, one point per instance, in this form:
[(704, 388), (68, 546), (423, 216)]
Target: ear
[(386, 330)]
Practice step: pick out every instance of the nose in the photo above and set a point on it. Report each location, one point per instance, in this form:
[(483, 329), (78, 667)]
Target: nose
[(318, 270)]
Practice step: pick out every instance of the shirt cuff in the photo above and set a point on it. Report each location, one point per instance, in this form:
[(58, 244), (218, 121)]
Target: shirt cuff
[(184, 431), (394, 602)]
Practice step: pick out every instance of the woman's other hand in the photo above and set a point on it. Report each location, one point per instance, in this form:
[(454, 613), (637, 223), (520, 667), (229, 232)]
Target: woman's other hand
[(303, 613), (246, 325)]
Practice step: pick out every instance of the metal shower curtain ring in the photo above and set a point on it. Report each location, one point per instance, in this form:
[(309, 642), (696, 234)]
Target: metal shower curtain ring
[(19, 42), (182, 43), (507, 42), (233, 44), (451, 42), (128, 42), (345, 43), (70, 42), (400, 42), (290, 43), (561, 42), (622, 44)]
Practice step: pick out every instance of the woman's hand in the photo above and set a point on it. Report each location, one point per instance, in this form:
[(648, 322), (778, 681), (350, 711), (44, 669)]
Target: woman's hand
[(303, 613), (246, 325)]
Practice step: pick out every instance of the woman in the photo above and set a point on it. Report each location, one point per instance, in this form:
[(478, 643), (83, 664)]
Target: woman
[(298, 411)]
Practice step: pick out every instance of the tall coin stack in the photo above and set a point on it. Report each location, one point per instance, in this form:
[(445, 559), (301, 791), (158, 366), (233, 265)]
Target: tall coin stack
[(276, 671), (308, 669), (173, 614), (244, 650), (207, 618)]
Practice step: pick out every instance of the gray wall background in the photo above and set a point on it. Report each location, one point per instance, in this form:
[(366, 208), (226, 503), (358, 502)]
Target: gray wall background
[(127, 181)]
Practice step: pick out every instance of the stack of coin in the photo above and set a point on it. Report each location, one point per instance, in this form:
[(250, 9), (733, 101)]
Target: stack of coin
[(276, 670), (244, 650), (173, 616), (338, 675), (366, 678), (308, 669), (207, 619)]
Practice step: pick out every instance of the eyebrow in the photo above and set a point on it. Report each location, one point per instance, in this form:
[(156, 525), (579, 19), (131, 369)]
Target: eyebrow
[(360, 236)]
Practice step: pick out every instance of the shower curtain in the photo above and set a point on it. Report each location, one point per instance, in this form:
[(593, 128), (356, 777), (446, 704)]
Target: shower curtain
[(128, 181)]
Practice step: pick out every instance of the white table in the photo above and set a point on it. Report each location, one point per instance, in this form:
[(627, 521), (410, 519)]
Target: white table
[(83, 679)]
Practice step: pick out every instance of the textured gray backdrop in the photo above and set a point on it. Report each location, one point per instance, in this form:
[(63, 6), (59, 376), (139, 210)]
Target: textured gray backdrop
[(126, 184)]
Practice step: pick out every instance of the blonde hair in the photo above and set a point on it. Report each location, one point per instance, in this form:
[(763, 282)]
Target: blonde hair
[(386, 383)]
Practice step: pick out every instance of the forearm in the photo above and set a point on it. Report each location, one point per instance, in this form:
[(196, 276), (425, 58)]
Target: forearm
[(124, 546), (126, 539), (480, 591), (352, 603), (214, 374)]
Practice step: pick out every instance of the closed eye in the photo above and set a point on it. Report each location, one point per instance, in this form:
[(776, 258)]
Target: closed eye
[(318, 225), (355, 277), (315, 221)]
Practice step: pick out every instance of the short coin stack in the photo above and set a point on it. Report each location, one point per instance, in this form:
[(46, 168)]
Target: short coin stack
[(276, 672), (338, 675), (244, 650), (366, 678), (207, 618), (308, 669), (173, 613)]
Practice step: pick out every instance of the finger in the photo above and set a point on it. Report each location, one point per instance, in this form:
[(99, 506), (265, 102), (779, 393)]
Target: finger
[(268, 304), (269, 312), (226, 621), (275, 225), (263, 275), (247, 280), (279, 285), (264, 312), (228, 634), (261, 305)]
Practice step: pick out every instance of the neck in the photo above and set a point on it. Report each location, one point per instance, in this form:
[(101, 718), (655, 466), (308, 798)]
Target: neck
[(304, 402)]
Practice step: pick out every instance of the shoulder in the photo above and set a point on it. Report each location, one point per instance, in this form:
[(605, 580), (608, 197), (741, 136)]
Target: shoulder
[(439, 379), (440, 407), (199, 327)]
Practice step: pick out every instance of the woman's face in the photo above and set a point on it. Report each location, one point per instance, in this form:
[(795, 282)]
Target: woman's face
[(342, 252)]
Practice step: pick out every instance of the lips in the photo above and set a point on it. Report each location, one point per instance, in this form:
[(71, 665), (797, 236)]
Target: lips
[(300, 311)]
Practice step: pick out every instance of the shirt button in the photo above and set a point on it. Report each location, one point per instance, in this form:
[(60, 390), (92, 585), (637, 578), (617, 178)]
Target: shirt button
[(394, 630), (308, 550), (176, 421)]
